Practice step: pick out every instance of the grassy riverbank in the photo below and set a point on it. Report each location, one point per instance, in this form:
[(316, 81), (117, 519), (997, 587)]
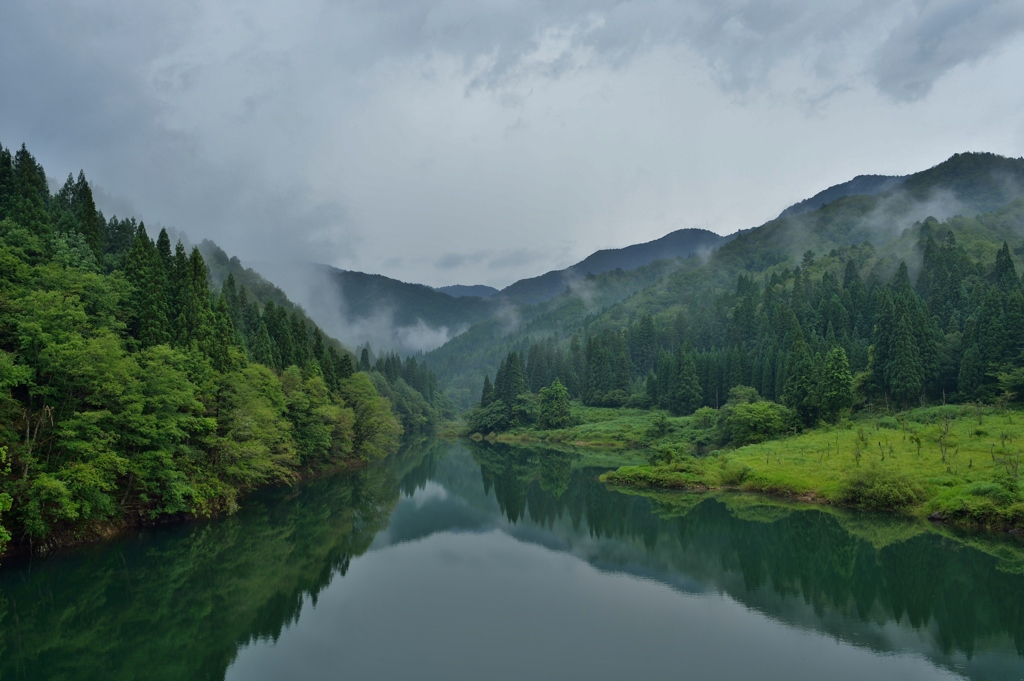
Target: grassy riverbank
[(959, 464)]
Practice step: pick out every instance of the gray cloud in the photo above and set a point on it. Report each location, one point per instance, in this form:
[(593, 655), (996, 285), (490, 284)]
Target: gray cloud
[(419, 137), (450, 261), (939, 36), (516, 258)]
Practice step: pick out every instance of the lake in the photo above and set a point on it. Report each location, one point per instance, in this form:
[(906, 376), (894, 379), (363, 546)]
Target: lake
[(458, 560)]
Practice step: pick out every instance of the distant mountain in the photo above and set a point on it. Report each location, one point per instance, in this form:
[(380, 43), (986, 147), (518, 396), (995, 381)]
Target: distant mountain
[(460, 291), (358, 307), (862, 184), (876, 230), (394, 315), (679, 244)]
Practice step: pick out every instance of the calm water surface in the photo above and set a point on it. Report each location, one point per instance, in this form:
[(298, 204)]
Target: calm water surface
[(464, 561)]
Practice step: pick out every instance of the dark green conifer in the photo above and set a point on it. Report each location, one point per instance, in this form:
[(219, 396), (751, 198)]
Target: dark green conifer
[(487, 394), (904, 372), (687, 390), (836, 384)]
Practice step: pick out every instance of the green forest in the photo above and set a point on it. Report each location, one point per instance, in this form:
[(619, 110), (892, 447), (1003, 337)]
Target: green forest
[(132, 390)]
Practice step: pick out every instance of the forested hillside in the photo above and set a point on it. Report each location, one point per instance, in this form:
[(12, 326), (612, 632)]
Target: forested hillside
[(131, 391), (861, 301), (462, 362)]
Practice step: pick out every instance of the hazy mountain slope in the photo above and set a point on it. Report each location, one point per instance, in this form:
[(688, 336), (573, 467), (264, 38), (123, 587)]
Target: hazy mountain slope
[(678, 244), (966, 184), (979, 181), (461, 363), (408, 318), (860, 185), (221, 265), (459, 290), (389, 314)]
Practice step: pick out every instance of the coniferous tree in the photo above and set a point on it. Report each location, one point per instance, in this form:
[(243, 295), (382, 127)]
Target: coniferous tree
[(972, 374), (163, 250), (576, 367), (802, 384), (197, 308), (905, 373), (179, 287), (487, 394), (836, 384), (148, 302), (262, 348), (224, 349), (1004, 274), (687, 393)]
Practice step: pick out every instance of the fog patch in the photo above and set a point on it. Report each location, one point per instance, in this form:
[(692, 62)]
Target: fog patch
[(320, 294), (584, 288)]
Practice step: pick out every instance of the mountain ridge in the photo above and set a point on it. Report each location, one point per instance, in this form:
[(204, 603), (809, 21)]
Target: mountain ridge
[(678, 244)]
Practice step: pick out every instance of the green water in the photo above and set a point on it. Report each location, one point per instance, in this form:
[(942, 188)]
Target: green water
[(463, 561)]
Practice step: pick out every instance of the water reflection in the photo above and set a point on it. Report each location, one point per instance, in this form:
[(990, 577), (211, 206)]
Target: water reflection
[(459, 519)]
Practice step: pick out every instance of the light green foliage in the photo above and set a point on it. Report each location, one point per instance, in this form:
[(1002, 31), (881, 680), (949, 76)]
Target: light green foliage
[(706, 417), (127, 391), (322, 424), (375, 430), (254, 444)]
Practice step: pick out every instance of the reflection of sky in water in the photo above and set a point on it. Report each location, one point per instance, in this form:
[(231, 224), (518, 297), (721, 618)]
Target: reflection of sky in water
[(453, 590), (486, 606)]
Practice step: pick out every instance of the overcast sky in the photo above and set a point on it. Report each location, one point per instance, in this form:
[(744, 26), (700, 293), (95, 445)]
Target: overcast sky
[(481, 141)]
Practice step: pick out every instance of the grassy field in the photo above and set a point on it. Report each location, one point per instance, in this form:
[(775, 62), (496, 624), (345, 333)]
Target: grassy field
[(606, 427), (956, 463)]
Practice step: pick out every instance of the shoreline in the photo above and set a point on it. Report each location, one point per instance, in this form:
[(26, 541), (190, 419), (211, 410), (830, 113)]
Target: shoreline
[(118, 528)]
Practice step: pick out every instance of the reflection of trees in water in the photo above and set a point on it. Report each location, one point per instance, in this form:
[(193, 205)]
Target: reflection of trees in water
[(544, 483), (921, 578), (178, 602), (925, 581)]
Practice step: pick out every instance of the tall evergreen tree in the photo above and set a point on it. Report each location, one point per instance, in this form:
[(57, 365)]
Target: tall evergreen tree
[(687, 390), (904, 373), (487, 394), (149, 324), (836, 384), (802, 384)]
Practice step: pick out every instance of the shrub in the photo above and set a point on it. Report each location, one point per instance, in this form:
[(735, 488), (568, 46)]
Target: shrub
[(937, 413), (879, 489), (658, 427), (705, 417), (490, 419), (734, 473), (750, 423)]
